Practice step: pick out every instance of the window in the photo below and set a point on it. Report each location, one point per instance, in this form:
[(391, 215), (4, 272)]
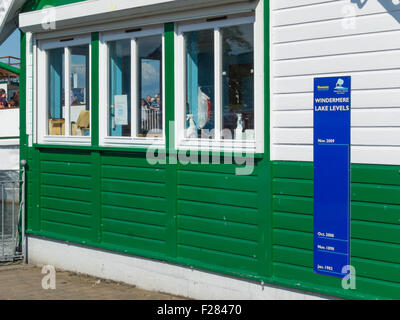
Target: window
[(132, 87), (219, 85), (64, 91)]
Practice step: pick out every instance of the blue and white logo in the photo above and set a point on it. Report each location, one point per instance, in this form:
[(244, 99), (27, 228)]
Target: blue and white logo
[(339, 86)]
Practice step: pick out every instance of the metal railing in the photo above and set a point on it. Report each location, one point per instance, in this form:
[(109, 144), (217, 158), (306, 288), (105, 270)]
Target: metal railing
[(151, 120), (11, 221)]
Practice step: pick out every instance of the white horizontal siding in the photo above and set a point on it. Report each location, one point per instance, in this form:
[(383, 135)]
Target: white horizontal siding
[(335, 28), (359, 154), (285, 4), (331, 10), (389, 117), (360, 100), (309, 39), (359, 136)]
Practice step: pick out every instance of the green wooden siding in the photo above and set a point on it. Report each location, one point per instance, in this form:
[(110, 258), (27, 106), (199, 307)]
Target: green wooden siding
[(375, 226), (216, 220), (219, 222), (218, 216)]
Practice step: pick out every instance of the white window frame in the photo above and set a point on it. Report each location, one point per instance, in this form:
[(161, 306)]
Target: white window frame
[(218, 144), (43, 91), (133, 141)]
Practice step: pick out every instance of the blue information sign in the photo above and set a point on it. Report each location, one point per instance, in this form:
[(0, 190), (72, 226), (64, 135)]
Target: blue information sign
[(332, 118)]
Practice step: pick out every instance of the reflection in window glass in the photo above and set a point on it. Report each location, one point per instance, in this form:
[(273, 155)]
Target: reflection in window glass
[(79, 91), (238, 82), (120, 88), (199, 84), (150, 85), (56, 85)]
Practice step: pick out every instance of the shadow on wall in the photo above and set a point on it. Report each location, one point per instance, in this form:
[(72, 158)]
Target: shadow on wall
[(391, 6)]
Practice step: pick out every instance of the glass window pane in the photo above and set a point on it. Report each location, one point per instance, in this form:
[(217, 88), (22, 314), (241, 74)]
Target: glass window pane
[(79, 91), (150, 95), (199, 84), (119, 115), (56, 87), (238, 82)]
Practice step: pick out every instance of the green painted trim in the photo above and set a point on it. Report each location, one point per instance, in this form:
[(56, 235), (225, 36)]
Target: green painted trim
[(169, 34), (8, 138), (265, 180), (12, 69), (171, 181), (32, 5), (95, 82)]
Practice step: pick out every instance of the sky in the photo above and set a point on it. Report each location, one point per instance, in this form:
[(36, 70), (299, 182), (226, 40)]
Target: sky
[(11, 46)]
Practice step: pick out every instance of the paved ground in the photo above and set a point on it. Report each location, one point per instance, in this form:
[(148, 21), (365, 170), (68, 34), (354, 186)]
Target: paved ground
[(23, 282)]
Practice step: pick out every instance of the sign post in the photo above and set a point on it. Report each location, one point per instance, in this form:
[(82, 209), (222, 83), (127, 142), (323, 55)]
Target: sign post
[(332, 145)]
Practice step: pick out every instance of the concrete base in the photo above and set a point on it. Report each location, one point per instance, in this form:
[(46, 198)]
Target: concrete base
[(151, 274)]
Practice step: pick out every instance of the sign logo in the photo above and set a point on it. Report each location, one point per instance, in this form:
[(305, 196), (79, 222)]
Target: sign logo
[(339, 86), (323, 88)]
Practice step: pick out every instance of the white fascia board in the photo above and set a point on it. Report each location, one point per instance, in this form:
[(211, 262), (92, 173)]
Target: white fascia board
[(93, 12)]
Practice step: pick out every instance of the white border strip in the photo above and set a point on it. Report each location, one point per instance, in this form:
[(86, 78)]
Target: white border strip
[(153, 275)]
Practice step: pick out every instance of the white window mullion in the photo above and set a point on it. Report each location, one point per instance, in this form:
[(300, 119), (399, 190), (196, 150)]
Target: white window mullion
[(180, 118), (104, 94), (134, 88), (163, 85), (218, 82), (67, 82), (89, 90), (259, 78), (43, 101)]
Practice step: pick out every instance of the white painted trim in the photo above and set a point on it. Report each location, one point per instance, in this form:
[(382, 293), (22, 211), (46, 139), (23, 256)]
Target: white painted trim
[(217, 82), (62, 42), (86, 14), (30, 86), (43, 136), (201, 25), (154, 275), (259, 76), (134, 87), (123, 34), (35, 92), (103, 94), (133, 141), (42, 109), (67, 90), (259, 104), (180, 86), (163, 87)]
